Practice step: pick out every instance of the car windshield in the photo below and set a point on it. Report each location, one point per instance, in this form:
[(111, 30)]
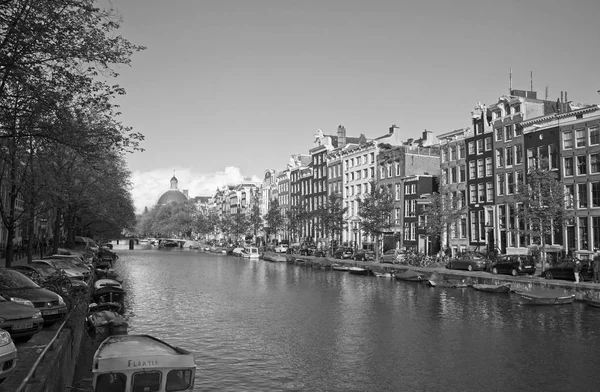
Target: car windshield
[(15, 280), (43, 268), (62, 264)]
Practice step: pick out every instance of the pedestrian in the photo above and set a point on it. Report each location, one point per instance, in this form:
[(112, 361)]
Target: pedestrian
[(576, 270), (596, 268)]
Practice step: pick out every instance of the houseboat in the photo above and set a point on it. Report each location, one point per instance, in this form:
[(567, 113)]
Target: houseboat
[(130, 363)]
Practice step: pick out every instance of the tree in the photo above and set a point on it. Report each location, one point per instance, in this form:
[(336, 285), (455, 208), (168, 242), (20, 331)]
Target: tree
[(331, 216), (375, 211), (274, 219), (442, 210), (540, 206), (255, 220)]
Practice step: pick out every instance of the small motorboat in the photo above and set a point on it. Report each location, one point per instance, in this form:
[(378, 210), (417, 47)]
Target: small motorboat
[(100, 283), (383, 274), (410, 276), (359, 271), (544, 297), (339, 267), (141, 363), (593, 302), (492, 288), (106, 319), (251, 252), (109, 294)]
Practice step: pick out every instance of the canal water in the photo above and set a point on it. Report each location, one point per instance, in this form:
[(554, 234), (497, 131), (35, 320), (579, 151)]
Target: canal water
[(262, 326)]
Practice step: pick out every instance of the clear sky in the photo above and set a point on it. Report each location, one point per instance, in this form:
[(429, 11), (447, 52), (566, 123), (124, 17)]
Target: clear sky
[(227, 89)]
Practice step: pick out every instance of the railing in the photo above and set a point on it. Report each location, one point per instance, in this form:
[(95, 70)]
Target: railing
[(31, 374)]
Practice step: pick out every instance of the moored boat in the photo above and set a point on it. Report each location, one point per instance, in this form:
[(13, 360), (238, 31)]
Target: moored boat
[(593, 302), (131, 363), (492, 288), (359, 271), (544, 297), (339, 267), (251, 252), (411, 276), (383, 274)]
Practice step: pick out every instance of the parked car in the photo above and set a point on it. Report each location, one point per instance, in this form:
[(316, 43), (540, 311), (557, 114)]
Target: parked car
[(281, 248), (8, 355), (513, 265), (75, 262), (67, 268), (20, 320), (563, 269), (23, 290), (363, 255), (343, 253), (469, 262), (393, 256), (319, 253), (308, 251), (41, 271)]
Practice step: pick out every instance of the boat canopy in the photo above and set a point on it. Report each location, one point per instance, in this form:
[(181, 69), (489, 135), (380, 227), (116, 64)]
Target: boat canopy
[(139, 352)]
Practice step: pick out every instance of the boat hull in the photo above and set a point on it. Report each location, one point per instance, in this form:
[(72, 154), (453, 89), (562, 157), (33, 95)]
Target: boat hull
[(526, 298), (410, 276), (359, 271), (593, 302), (492, 288)]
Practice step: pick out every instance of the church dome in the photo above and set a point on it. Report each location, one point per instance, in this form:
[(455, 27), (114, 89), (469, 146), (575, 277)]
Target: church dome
[(173, 195)]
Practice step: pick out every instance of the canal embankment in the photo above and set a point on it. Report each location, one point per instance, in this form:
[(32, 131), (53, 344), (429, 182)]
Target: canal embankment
[(581, 290)]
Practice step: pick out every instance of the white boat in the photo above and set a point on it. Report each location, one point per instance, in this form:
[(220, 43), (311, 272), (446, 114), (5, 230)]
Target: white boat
[(129, 363), (251, 252), (101, 283)]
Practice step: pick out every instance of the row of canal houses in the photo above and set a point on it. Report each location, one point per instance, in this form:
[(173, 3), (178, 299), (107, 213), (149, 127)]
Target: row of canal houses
[(481, 164)]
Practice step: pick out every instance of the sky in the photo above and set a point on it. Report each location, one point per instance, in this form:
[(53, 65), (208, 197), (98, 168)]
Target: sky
[(228, 89)]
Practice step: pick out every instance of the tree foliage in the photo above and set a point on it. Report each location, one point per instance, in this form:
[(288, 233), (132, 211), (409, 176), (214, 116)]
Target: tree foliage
[(375, 211), (274, 218), (442, 210), (331, 216)]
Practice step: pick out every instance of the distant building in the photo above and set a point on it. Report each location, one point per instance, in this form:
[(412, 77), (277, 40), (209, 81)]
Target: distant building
[(173, 195)]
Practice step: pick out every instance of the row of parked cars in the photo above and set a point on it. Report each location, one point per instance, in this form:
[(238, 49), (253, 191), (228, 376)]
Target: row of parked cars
[(30, 297)]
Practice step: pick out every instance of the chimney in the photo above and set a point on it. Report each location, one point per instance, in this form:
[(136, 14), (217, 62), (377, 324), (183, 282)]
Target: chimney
[(393, 128), (566, 100), (427, 138), (561, 97), (341, 135)]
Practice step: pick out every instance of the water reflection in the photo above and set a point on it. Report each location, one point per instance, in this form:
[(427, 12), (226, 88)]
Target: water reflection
[(256, 325)]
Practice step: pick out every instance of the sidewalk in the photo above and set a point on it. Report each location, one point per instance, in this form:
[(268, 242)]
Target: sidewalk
[(19, 261)]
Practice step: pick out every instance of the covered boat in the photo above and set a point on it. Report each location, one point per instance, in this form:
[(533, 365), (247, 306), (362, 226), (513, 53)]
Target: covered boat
[(339, 267), (544, 297), (492, 288), (251, 252), (105, 319), (109, 294), (359, 271), (131, 363), (411, 276)]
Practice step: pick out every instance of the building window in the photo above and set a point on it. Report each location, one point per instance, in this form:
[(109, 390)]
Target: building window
[(453, 175), (568, 139), (508, 134), (595, 163), (462, 177), (461, 151), (453, 153), (594, 136), (510, 181), (500, 157), (582, 199), (445, 176), (569, 195), (488, 144), (382, 172), (518, 181), (479, 128), (489, 191), (488, 167), (509, 156), (568, 166), (553, 152), (581, 165), (595, 194), (480, 146), (472, 172), (518, 130), (583, 234), (481, 192), (532, 157), (480, 168), (500, 184), (580, 137), (471, 148), (518, 154), (472, 194), (498, 134)]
